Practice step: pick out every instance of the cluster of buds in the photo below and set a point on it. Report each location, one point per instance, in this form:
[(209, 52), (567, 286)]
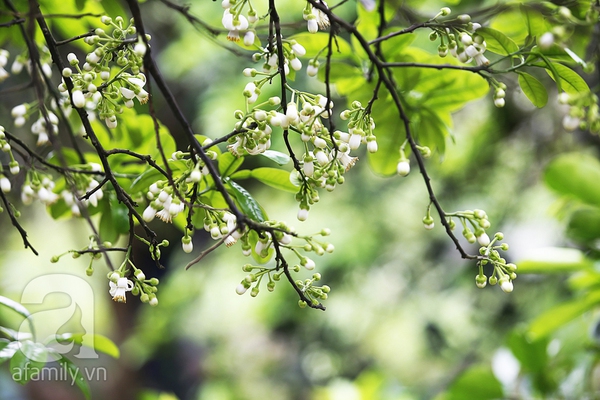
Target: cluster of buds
[(474, 223), (138, 285), (504, 273), (328, 158), (4, 54), (13, 165), (284, 236), (87, 190), (292, 51), (38, 186), (95, 87), (40, 127), (222, 224), (315, 18), (313, 293), (583, 112), (164, 205), (499, 95), (459, 38)]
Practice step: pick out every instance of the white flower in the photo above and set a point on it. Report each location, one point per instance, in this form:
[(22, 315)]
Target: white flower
[(3, 74), (570, 123), (111, 122), (78, 99), (505, 284), (5, 184), (19, 111), (308, 263), (309, 168), (312, 69), (296, 64), (241, 289), (234, 24), (119, 289), (372, 146), (354, 142), (186, 244), (298, 49), (249, 38), (140, 48), (302, 214), (312, 25), (403, 168), (149, 213), (546, 40), (483, 239), (499, 102)]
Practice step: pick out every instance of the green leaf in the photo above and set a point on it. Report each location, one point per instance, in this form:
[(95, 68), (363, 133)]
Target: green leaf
[(106, 229), (534, 20), (248, 204), (553, 260), (228, 164), (277, 156), (145, 179), (19, 309), (570, 80), (9, 350), (584, 225), (96, 341), (498, 42), (119, 213), (315, 42), (551, 320), (241, 174), (478, 382), (276, 178), (28, 361), (533, 89), (76, 376), (532, 354), (575, 175)]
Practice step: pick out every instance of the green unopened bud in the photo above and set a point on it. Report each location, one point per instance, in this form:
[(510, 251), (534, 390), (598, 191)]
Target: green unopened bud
[(301, 304), (54, 259), (154, 282)]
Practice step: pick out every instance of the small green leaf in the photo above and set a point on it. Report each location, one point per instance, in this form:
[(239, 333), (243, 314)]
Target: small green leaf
[(277, 156), (498, 42), (315, 42), (9, 350), (570, 80), (13, 305), (247, 203), (478, 382), (76, 376), (96, 341), (533, 89), (532, 354), (28, 361), (241, 174), (558, 316), (553, 260), (119, 213), (575, 175), (276, 178), (228, 164), (18, 308)]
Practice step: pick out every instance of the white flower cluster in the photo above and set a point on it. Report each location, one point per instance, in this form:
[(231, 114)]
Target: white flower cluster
[(39, 127), (124, 87), (235, 22), (292, 51), (468, 47), (95, 88), (325, 164), (4, 54), (96, 195), (165, 206), (222, 224), (39, 189)]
